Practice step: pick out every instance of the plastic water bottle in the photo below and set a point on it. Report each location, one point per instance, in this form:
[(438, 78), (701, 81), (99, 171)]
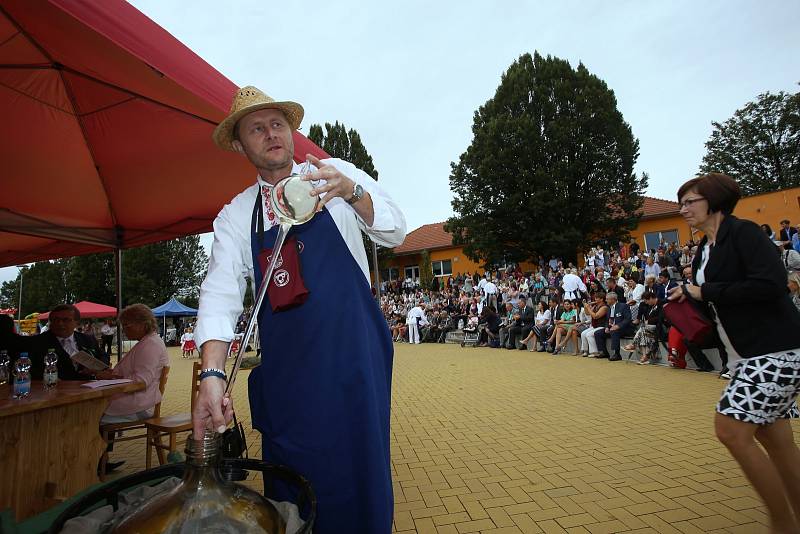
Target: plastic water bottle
[(22, 376), (461, 324), (50, 376), (4, 371)]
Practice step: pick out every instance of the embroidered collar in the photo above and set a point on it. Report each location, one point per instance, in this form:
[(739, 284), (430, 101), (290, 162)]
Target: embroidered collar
[(263, 183)]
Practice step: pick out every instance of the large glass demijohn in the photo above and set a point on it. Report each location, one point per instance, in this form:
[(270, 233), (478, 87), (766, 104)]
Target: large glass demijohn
[(204, 502)]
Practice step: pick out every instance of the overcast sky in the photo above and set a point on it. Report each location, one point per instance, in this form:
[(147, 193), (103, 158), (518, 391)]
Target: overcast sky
[(408, 76)]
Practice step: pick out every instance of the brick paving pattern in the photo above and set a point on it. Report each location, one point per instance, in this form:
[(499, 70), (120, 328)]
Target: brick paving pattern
[(497, 441)]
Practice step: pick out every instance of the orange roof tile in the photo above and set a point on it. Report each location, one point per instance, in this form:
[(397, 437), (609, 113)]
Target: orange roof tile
[(433, 236), (428, 236), (654, 207)]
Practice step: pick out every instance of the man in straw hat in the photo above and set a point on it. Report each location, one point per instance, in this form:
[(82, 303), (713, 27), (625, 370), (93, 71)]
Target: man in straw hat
[(321, 395)]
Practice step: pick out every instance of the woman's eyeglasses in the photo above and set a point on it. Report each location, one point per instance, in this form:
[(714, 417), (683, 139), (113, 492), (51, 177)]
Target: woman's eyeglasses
[(689, 201)]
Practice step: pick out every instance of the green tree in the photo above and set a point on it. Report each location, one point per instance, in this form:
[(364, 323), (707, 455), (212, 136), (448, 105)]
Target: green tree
[(425, 270), (9, 293), (91, 278), (550, 167), (150, 274), (343, 144), (153, 273), (44, 284), (760, 145), (346, 144)]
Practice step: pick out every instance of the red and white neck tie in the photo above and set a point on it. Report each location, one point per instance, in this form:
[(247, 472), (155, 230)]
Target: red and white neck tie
[(271, 218)]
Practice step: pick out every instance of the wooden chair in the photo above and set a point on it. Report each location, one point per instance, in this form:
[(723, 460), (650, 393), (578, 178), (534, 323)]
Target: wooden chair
[(170, 425), (109, 430)]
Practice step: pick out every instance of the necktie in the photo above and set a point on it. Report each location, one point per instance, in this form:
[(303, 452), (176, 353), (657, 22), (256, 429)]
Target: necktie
[(265, 194), (70, 347)]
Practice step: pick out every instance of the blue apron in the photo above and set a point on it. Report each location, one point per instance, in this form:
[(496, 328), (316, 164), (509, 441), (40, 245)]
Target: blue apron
[(321, 396)]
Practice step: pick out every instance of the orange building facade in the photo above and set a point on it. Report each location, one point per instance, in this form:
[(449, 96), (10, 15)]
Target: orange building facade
[(662, 218), (660, 221), (446, 258)]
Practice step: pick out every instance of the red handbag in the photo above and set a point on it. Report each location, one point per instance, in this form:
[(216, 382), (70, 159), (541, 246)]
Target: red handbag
[(689, 320)]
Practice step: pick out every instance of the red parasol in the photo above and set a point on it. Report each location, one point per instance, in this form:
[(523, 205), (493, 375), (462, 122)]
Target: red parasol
[(89, 310), (106, 132)]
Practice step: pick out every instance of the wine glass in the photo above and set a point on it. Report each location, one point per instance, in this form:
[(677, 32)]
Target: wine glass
[(291, 198)]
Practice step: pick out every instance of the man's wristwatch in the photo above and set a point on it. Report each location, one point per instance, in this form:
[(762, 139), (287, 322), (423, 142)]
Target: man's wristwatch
[(358, 194)]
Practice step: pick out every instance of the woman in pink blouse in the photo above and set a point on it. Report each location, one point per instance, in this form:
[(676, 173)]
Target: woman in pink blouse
[(143, 363)]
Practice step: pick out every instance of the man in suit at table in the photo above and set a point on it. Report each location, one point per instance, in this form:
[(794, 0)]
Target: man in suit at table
[(62, 337), (619, 325)]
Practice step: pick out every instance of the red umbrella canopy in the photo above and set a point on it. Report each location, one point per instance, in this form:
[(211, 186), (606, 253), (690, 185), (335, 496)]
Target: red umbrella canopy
[(106, 132), (89, 310)]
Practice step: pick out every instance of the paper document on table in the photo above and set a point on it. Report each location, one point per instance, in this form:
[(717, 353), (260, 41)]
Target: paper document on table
[(88, 361), (105, 383)]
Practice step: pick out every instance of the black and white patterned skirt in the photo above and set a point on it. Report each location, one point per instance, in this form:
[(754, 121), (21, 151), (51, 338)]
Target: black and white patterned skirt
[(763, 389)]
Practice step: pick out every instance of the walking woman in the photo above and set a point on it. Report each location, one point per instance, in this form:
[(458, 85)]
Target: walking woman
[(736, 272)]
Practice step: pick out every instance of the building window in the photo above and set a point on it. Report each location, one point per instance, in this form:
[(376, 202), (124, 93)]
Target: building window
[(390, 275), (653, 240), (412, 271), (442, 268)]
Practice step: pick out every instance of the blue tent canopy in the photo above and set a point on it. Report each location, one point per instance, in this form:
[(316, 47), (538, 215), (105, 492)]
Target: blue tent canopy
[(173, 308)]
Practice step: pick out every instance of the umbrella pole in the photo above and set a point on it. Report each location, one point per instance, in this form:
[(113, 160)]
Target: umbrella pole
[(377, 272), (118, 269)]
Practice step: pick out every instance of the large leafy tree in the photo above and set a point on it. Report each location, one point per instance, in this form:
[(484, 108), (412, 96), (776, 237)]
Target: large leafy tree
[(550, 167), (153, 273), (44, 284), (760, 145), (150, 274), (91, 278), (425, 270), (346, 144)]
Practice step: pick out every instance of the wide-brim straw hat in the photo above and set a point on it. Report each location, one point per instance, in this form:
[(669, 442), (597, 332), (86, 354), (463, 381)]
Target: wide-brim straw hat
[(247, 100)]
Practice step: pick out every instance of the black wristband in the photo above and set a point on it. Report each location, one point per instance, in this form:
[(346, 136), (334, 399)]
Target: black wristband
[(213, 372)]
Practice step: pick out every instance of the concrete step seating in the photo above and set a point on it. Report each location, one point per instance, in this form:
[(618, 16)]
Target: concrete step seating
[(457, 336)]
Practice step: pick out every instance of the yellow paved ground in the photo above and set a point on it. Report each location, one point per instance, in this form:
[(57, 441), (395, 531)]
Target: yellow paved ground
[(498, 441)]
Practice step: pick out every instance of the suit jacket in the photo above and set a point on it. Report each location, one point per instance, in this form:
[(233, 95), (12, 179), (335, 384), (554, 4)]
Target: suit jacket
[(527, 316), (661, 291), (555, 314), (40, 344), (746, 282), (621, 316), (787, 236)]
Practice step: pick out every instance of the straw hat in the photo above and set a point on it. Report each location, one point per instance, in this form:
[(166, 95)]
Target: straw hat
[(247, 100)]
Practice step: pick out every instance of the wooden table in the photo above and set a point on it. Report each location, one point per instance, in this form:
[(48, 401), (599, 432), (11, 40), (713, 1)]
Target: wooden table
[(50, 443)]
